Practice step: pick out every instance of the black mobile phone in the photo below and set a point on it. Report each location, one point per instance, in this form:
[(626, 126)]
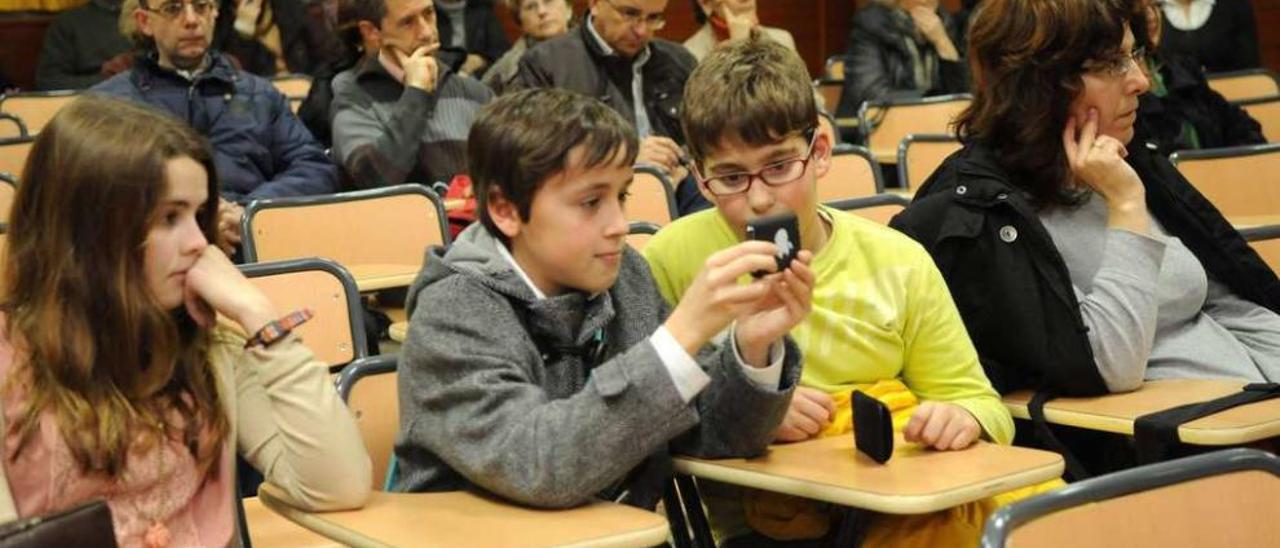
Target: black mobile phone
[(872, 427), (783, 230)]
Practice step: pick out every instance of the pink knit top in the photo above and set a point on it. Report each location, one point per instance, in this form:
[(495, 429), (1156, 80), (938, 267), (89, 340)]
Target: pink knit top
[(159, 500)]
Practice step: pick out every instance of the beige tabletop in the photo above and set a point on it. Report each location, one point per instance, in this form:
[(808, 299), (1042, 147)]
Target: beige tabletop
[(372, 277), (1116, 412), (466, 519), (268, 529), (914, 481)]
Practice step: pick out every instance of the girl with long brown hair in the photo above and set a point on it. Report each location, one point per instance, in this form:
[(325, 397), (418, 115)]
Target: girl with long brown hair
[(117, 382)]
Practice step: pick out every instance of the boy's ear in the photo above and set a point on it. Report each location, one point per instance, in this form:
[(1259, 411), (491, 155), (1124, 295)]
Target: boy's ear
[(823, 144), (504, 213)]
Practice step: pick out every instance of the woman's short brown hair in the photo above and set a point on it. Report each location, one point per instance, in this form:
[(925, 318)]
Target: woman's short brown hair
[(1027, 58)]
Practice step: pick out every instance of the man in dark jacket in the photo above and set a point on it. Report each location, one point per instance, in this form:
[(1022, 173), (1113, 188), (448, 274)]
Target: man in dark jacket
[(615, 57), (902, 49), (83, 47), (260, 148)]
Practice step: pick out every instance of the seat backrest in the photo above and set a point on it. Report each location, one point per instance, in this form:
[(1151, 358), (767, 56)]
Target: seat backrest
[(1239, 181), (920, 155), (652, 199), (640, 233), (830, 91), (1267, 112), (889, 122), (879, 208), (8, 188), (36, 108), (1244, 84), (834, 68), (391, 225), (370, 388), (13, 155), (1265, 240), (853, 174), (336, 333), (12, 126), (1225, 498), (293, 86)]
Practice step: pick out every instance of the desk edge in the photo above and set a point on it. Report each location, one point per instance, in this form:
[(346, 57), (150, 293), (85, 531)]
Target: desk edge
[(889, 504)]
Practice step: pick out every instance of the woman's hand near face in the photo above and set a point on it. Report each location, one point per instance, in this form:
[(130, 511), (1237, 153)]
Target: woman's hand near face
[(214, 285), (1098, 161)]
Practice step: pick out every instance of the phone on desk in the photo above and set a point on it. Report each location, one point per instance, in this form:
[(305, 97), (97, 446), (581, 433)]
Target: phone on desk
[(784, 231), (872, 427)]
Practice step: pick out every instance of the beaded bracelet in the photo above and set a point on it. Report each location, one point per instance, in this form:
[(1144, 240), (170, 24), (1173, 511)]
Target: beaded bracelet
[(277, 329)]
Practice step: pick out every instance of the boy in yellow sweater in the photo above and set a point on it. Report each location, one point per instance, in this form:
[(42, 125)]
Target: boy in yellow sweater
[(882, 320)]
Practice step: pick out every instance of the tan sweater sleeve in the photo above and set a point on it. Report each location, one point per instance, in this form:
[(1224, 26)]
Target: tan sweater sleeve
[(291, 425)]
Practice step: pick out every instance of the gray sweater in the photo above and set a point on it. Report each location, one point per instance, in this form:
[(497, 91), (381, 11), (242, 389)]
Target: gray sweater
[(496, 391), (385, 133), (1152, 310)]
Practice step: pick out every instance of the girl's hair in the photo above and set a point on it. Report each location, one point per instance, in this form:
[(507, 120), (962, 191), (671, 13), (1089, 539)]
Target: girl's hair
[(98, 350), (1027, 58)]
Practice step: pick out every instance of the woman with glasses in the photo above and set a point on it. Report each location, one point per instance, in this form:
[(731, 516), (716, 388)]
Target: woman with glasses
[(1081, 261), (539, 20)]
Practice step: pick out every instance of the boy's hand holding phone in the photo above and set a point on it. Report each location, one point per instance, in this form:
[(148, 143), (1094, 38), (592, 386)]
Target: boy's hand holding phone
[(765, 309)]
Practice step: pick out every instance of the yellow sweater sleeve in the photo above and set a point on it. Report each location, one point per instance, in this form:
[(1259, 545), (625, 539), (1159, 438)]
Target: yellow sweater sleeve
[(940, 361)]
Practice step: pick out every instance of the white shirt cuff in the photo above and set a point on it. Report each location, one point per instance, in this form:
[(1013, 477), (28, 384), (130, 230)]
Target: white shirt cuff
[(685, 373), (766, 377)]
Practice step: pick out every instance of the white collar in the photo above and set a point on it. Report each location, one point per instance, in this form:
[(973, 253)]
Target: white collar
[(506, 254), (1181, 20)]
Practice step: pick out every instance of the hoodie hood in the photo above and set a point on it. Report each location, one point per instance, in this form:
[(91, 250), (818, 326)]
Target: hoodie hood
[(569, 320)]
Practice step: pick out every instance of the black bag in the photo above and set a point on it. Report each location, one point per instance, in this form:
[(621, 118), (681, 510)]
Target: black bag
[(86, 525)]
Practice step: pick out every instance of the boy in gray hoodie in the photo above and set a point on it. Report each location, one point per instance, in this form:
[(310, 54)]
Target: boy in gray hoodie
[(541, 363)]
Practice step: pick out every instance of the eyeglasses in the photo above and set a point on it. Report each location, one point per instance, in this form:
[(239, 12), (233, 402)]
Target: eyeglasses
[(176, 8), (775, 174), (635, 17), (1118, 66)]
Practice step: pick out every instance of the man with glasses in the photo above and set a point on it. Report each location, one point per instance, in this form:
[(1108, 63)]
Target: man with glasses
[(615, 57), (882, 319), (260, 148)]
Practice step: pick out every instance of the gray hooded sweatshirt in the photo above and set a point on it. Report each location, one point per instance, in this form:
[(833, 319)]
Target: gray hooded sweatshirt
[(501, 391)]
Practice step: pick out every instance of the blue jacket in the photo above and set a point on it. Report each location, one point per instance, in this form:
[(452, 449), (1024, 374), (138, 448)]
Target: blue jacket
[(260, 149)]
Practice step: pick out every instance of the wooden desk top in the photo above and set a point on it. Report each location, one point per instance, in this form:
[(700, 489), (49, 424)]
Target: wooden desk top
[(1116, 412), (467, 519), (268, 529), (372, 277), (914, 481)]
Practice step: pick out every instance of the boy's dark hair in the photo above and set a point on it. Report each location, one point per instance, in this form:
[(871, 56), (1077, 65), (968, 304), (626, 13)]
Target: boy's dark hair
[(755, 89), (521, 139)]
